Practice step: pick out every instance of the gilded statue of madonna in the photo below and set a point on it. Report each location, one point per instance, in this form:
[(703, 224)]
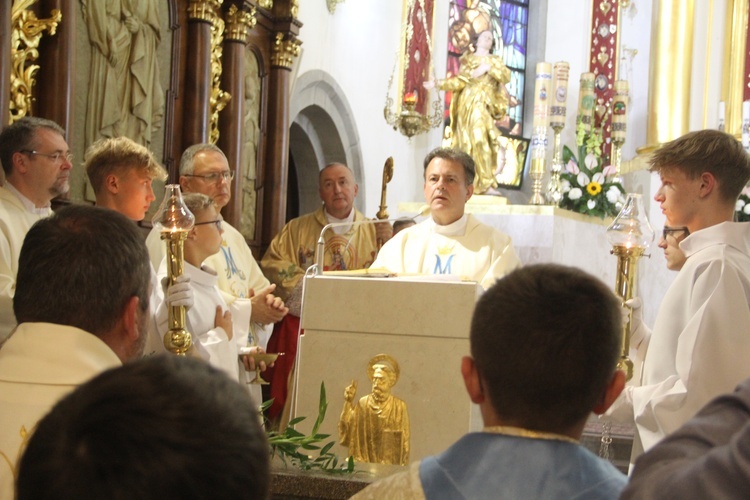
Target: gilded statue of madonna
[(376, 428), (480, 99)]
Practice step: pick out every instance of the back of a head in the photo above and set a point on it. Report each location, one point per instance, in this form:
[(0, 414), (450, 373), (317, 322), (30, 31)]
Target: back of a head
[(707, 151), (87, 263), (117, 155), (546, 339), (187, 160), (20, 135), (163, 427)]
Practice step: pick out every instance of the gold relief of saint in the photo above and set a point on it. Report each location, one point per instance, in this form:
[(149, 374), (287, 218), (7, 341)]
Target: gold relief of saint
[(376, 428)]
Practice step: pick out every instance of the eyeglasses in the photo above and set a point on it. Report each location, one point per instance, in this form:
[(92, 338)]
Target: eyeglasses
[(674, 231), (55, 157), (226, 175), (217, 222)]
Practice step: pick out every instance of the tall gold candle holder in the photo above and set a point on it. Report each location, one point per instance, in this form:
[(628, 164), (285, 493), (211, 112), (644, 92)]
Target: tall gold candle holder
[(539, 132), (175, 222), (630, 234), (557, 122)]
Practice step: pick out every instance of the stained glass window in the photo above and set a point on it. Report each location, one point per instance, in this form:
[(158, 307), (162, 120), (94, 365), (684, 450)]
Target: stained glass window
[(508, 20)]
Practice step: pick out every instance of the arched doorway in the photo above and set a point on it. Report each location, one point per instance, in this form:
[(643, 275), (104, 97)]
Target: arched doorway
[(322, 132)]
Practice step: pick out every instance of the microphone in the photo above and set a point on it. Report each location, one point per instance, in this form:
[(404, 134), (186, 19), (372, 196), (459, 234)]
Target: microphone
[(320, 249)]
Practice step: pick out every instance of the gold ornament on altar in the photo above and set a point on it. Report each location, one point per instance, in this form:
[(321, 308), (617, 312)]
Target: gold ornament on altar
[(402, 114), (376, 428), (175, 221), (630, 235)]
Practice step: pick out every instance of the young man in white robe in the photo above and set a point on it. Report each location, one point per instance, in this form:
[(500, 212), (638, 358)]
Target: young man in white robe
[(121, 173), (450, 242), (700, 342)]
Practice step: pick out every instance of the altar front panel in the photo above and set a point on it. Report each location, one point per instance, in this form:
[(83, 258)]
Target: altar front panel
[(424, 326)]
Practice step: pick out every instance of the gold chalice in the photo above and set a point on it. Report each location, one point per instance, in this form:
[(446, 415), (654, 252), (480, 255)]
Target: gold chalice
[(267, 358)]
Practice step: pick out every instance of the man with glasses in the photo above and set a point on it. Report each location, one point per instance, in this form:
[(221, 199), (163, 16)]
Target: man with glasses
[(36, 161), (700, 344), (670, 243), (204, 169)]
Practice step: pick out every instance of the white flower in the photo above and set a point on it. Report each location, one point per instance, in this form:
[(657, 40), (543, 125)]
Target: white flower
[(747, 209), (613, 194), (590, 161), (565, 186), (598, 177), (591, 204), (738, 206), (575, 193), (572, 167), (583, 179)]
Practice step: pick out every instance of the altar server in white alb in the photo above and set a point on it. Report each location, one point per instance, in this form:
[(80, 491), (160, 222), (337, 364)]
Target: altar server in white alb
[(219, 331), (36, 161), (450, 242), (700, 344), (204, 169)]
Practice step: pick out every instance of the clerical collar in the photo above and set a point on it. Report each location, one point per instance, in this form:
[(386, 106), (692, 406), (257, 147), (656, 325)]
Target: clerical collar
[(507, 430), (457, 228), (340, 229), (27, 203)]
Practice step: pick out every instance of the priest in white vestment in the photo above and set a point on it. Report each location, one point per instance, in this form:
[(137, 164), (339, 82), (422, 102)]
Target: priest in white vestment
[(82, 300), (450, 242), (37, 162)]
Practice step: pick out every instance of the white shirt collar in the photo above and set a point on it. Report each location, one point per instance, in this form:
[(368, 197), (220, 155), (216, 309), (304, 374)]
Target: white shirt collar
[(27, 203), (457, 228), (340, 229)]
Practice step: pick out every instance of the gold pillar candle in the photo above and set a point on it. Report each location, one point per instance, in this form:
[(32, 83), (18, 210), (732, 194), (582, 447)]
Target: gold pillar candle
[(620, 111), (558, 109), (586, 101)]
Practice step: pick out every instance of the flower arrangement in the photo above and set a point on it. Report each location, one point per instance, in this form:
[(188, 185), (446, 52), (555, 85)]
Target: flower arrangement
[(742, 208), (588, 187)]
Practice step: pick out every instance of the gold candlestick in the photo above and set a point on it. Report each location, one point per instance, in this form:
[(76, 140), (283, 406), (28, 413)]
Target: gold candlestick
[(175, 221), (630, 234)]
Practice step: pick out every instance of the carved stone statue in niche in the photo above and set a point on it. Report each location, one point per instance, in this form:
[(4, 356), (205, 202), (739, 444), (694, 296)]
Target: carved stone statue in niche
[(376, 428), (251, 137), (125, 95)]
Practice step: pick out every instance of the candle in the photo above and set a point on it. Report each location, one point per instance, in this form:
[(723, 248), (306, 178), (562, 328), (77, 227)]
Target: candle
[(722, 112), (746, 124), (541, 92), (560, 85), (620, 110), (586, 101), (410, 98)]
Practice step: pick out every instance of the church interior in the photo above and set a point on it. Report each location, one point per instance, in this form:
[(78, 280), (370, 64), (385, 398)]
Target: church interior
[(286, 87)]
